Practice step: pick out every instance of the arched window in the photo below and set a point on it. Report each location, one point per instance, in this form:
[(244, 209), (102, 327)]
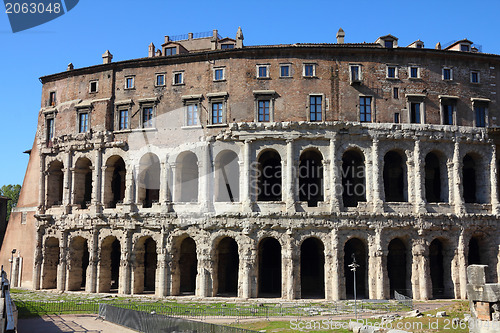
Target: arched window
[(55, 184), (394, 178), (311, 177), (269, 177), (114, 178), (83, 182), (353, 178), (149, 180), (227, 177)]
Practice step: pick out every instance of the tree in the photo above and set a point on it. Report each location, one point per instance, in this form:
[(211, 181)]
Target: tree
[(11, 192)]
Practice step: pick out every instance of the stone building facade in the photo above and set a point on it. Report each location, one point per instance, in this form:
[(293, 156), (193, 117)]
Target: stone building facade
[(211, 168)]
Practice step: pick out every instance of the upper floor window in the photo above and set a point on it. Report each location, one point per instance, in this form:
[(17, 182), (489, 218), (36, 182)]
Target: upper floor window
[(395, 93), (415, 112), (315, 108), (262, 71), (217, 108), (83, 122), (191, 114), (129, 82), (178, 78), (169, 51), (447, 74), (147, 117), (217, 114), (309, 70), (474, 77), (285, 70), (396, 118), (392, 72), (414, 72), (160, 80), (355, 73), (264, 110), (464, 47), (219, 74), (94, 85), (227, 46), (389, 44), (123, 119), (50, 128), (52, 98), (480, 113), (365, 109), (448, 106)]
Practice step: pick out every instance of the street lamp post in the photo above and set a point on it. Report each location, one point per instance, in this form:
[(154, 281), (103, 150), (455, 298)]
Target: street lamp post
[(11, 262), (353, 267)]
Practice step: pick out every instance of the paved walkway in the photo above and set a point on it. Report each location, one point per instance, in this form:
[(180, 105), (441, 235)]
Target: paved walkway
[(69, 324)]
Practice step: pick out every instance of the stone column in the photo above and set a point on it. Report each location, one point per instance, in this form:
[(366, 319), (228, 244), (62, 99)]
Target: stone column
[(129, 186), (495, 205), (335, 179), (456, 181), (175, 185), (105, 171), (41, 184), (289, 181), (247, 183), (92, 278), (38, 258), (247, 266), (377, 274), (125, 275), (290, 270), (204, 276), (421, 283), (67, 180), (377, 201), (206, 178), (333, 290), (418, 170), (164, 184), (462, 266), (161, 280), (61, 267), (96, 188)]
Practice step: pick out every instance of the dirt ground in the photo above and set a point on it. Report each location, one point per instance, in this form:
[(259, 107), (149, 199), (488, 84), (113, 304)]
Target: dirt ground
[(69, 324)]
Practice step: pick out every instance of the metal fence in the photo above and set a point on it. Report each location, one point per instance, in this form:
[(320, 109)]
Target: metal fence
[(153, 322)]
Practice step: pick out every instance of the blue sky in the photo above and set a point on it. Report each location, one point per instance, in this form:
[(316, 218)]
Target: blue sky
[(127, 27)]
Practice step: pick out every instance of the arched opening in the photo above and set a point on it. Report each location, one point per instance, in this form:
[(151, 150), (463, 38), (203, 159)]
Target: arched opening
[(269, 259), (55, 184), (227, 177), (311, 177), (475, 256), (188, 264), (227, 267), (145, 265), (312, 269), (269, 180), (353, 178), (396, 267), (187, 177), (355, 248), (469, 179), (394, 177), (149, 180), (78, 263), (114, 187), (50, 263), (433, 190), (83, 182), (109, 265), (440, 258)]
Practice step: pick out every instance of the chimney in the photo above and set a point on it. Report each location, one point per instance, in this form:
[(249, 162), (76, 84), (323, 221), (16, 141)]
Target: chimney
[(70, 66), (239, 38), (340, 36), (151, 50), (158, 53), (438, 46), (167, 39), (214, 39), (107, 57), (190, 36)]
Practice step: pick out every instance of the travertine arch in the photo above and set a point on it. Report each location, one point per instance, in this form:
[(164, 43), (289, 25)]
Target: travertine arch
[(106, 262), (78, 261), (227, 176), (449, 262), (143, 274), (482, 175), (51, 260)]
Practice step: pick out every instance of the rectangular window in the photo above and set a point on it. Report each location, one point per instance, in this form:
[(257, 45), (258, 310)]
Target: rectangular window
[(129, 82), (93, 86), (355, 73), (284, 70), (365, 109), (178, 78), (395, 93), (389, 44), (447, 74), (448, 113), (414, 72), (123, 121), (262, 72), (160, 79), (415, 113), (52, 98), (192, 114), (464, 48), (218, 74), (391, 72), (169, 51), (50, 129), (309, 70), (217, 113), (480, 112), (147, 117), (396, 118), (83, 122), (227, 46), (264, 111), (315, 106), (474, 77)]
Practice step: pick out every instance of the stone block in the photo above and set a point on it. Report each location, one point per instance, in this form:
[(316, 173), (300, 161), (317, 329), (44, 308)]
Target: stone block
[(476, 274), (483, 311)]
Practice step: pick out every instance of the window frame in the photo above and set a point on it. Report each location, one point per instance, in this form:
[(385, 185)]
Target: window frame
[(304, 72), (480, 103), (395, 92), (127, 78), (359, 75), (119, 122), (371, 109), (260, 96), (396, 74), (192, 100), (258, 67), (157, 75), (478, 76), (145, 106), (174, 78), (96, 86), (444, 69), (223, 71), (323, 107), (451, 101), (79, 114), (50, 130), (167, 49), (410, 69), (214, 98), (289, 66), (52, 98)]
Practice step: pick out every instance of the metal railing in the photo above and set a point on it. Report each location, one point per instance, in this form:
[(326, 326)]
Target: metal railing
[(196, 35), (9, 315)]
